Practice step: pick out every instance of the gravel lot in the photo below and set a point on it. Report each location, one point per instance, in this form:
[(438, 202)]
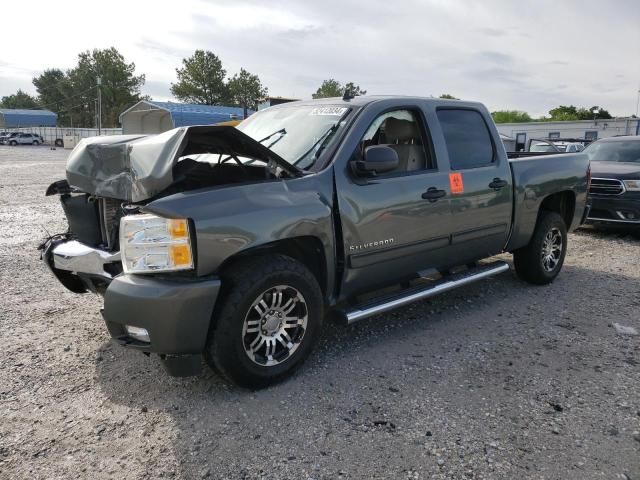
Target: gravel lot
[(497, 380)]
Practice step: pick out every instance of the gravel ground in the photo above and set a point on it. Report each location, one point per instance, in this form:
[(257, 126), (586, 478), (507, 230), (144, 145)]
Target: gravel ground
[(496, 380)]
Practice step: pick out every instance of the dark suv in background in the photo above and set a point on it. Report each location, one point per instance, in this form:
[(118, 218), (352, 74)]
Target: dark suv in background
[(615, 184)]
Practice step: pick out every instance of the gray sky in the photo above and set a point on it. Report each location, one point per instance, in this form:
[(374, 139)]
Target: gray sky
[(524, 55)]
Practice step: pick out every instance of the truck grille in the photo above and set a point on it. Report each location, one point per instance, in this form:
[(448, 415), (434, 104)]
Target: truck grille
[(109, 221), (606, 186)]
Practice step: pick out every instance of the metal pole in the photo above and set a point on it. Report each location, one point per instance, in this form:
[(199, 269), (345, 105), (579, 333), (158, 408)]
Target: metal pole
[(638, 102), (99, 106)]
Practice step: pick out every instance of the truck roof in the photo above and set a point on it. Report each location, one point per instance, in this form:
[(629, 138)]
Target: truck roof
[(362, 100)]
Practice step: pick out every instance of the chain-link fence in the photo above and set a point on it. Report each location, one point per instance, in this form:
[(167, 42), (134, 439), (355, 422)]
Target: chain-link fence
[(56, 135)]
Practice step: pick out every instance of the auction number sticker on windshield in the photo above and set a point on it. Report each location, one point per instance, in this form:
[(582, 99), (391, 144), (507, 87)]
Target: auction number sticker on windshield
[(336, 111)]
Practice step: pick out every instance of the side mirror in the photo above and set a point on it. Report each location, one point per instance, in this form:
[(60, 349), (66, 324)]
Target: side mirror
[(377, 159)]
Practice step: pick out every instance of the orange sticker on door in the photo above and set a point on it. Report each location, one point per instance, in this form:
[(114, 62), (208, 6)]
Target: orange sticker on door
[(456, 183)]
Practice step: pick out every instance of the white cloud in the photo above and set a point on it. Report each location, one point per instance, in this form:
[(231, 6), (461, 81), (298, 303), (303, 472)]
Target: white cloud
[(516, 55)]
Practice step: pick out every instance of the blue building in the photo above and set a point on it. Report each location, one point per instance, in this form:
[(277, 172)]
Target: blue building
[(150, 116), (14, 117)]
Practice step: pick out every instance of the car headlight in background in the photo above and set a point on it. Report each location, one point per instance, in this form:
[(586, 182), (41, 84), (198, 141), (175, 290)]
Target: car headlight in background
[(632, 185), (149, 244)]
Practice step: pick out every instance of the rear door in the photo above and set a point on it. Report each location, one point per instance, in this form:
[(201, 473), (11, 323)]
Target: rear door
[(481, 182), (394, 224)]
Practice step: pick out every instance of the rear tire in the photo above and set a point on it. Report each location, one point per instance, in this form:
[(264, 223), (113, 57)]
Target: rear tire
[(540, 262), (267, 323)]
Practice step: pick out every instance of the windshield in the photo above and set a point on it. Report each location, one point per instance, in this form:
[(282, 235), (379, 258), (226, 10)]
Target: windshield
[(620, 151), (297, 133)]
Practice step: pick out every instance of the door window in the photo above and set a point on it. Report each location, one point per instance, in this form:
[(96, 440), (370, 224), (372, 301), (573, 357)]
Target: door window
[(467, 138), (400, 130)]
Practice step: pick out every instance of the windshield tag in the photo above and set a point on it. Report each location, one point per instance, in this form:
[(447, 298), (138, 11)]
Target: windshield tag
[(335, 111)]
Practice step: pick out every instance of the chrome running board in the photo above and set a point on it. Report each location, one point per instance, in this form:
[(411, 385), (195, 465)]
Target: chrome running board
[(406, 297)]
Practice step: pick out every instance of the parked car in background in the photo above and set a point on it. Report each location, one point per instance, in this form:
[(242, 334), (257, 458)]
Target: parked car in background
[(6, 137), (615, 185), (569, 147), (556, 147), (23, 139)]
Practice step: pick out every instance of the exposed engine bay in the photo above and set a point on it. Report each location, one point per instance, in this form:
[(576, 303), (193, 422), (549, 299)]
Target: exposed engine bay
[(111, 177)]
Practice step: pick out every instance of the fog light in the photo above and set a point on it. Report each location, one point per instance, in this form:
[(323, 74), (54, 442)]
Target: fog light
[(138, 333), (626, 215)]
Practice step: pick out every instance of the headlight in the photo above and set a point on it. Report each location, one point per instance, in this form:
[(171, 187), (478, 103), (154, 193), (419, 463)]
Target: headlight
[(151, 244), (632, 185)]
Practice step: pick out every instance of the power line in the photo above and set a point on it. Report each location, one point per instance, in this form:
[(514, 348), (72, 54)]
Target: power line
[(65, 98)]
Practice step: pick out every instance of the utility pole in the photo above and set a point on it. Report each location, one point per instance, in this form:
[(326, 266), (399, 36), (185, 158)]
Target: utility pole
[(99, 86)]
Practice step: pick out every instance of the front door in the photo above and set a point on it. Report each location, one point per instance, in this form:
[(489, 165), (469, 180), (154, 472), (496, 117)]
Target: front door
[(394, 224)]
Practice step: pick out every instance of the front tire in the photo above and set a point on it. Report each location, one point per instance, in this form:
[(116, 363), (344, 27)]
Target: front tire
[(540, 262), (267, 322), (13, 143)]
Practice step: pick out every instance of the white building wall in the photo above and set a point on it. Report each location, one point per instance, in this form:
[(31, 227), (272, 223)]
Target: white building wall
[(577, 129)]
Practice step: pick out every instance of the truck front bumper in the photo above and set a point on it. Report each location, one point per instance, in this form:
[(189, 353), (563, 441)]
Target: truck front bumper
[(166, 315)]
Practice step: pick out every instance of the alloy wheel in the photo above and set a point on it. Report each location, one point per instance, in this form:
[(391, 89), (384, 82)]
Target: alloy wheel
[(275, 325), (551, 249)]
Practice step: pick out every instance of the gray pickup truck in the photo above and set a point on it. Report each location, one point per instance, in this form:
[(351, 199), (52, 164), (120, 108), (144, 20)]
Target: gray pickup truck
[(233, 243)]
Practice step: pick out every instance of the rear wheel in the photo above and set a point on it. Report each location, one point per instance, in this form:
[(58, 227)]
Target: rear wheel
[(541, 261), (267, 323)]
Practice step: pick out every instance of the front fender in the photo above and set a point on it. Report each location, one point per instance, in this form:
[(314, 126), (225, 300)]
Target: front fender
[(229, 220)]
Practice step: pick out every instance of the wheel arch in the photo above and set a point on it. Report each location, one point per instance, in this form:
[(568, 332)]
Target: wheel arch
[(563, 203), (308, 250)]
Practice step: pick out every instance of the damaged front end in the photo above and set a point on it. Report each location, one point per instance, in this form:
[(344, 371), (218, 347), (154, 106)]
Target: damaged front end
[(86, 257), (144, 264), (109, 178)]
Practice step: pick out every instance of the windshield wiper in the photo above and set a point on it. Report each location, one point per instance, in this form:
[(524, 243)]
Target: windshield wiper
[(320, 142), (282, 131)]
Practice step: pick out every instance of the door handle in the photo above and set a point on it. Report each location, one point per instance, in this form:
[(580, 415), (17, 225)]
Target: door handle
[(498, 183), (433, 194)]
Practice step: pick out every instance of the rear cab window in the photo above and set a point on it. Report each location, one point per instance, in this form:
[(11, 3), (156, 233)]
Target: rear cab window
[(467, 137)]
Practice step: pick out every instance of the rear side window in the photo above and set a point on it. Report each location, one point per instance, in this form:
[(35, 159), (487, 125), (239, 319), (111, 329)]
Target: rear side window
[(467, 137)]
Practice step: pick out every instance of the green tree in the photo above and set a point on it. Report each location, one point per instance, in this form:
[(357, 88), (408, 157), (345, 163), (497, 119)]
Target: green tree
[(201, 80), (353, 89), (73, 94), (120, 86), (53, 89), (510, 116), (19, 99), (245, 89), (448, 97), (333, 88), (571, 112)]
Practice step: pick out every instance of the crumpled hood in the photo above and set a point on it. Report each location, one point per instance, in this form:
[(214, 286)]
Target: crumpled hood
[(135, 168)]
